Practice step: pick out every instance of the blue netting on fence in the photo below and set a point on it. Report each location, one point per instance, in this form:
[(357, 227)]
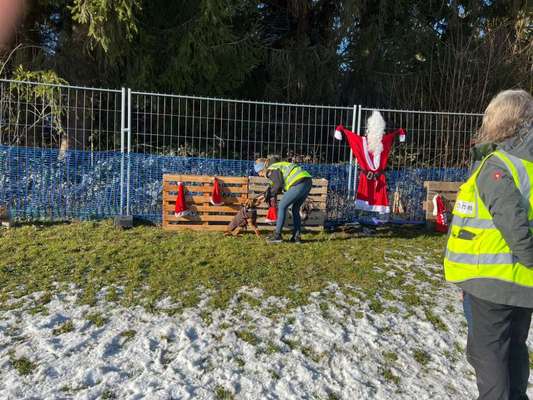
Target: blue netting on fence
[(46, 184)]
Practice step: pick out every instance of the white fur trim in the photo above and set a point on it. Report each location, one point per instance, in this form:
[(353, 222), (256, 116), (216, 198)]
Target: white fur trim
[(375, 129), (215, 204), (338, 134), (270, 221), (435, 210), (402, 137), (185, 213), (363, 205), (374, 165)]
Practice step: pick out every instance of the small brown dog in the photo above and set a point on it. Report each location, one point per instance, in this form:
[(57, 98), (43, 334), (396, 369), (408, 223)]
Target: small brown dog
[(246, 217)]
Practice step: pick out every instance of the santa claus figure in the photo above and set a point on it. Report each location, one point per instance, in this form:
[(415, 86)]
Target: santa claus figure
[(372, 153)]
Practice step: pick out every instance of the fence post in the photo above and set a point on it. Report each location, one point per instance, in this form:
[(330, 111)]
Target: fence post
[(358, 131), (122, 141), (129, 151), (351, 168)]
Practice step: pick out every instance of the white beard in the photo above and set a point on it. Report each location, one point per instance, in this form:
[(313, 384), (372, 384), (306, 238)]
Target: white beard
[(375, 129)]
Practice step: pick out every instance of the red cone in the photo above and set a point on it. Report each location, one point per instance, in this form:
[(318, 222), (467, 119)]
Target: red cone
[(181, 209), (272, 213), (216, 195)]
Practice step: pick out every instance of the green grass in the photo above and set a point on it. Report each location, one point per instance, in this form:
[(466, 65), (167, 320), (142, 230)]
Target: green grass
[(390, 356), (64, 328), (96, 319), (421, 356), (221, 393), (145, 264), (22, 365), (389, 376), (248, 337), (128, 335)]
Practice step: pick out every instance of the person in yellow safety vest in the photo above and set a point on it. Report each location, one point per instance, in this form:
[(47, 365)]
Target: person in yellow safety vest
[(296, 184), (489, 252)]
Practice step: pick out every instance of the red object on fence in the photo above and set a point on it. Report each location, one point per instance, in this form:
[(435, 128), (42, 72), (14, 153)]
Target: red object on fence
[(442, 214), (216, 195), (181, 209)]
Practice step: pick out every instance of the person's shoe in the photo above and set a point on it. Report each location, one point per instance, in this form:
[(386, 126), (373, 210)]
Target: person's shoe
[(275, 238), (296, 239)]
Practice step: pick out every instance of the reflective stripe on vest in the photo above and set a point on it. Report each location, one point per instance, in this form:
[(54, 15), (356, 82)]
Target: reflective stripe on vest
[(291, 173), (473, 222), (480, 258), (524, 180), (476, 249)]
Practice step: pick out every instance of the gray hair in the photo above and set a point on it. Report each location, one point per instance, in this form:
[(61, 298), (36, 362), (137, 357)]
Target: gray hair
[(505, 115)]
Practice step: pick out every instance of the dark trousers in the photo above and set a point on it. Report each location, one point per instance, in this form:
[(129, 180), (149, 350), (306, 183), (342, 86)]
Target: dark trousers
[(294, 197), (497, 349)]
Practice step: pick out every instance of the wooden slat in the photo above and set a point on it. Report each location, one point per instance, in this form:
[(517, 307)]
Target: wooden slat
[(450, 196), (437, 186), (314, 190), (169, 187), (200, 218), (203, 178), (258, 180), (205, 199), (209, 209), (184, 227)]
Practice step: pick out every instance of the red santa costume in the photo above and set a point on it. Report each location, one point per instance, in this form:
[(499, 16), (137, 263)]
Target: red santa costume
[(372, 153)]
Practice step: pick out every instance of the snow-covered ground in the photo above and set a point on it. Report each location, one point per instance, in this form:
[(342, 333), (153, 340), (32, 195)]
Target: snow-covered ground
[(333, 348)]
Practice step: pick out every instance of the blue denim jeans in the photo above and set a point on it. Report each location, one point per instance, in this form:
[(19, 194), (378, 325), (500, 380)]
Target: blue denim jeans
[(467, 309), (294, 197)]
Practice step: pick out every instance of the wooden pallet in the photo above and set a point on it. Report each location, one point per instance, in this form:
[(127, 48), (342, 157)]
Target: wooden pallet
[(448, 190), (207, 217), (318, 197)]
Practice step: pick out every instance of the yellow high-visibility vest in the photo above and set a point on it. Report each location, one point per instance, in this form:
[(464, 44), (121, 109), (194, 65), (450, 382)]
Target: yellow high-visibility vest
[(476, 249), (292, 173)]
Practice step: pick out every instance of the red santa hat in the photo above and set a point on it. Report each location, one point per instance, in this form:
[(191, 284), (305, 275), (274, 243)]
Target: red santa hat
[(181, 209), (338, 132), (401, 134), (216, 195), (440, 211), (272, 213)]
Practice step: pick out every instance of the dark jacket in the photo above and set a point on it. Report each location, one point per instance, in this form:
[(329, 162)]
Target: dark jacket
[(276, 188), (509, 212)]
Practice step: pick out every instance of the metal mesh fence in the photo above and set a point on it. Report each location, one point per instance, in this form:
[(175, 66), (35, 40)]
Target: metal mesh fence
[(76, 152), (236, 130), (60, 150)]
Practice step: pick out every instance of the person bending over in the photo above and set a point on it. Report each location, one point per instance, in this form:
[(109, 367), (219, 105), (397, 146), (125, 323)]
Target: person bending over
[(295, 183)]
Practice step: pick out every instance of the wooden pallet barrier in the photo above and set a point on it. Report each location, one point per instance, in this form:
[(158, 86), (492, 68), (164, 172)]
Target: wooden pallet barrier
[(317, 201), (448, 190), (198, 189)]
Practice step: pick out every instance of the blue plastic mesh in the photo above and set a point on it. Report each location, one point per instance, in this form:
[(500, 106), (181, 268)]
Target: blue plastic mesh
[(43, 184)]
